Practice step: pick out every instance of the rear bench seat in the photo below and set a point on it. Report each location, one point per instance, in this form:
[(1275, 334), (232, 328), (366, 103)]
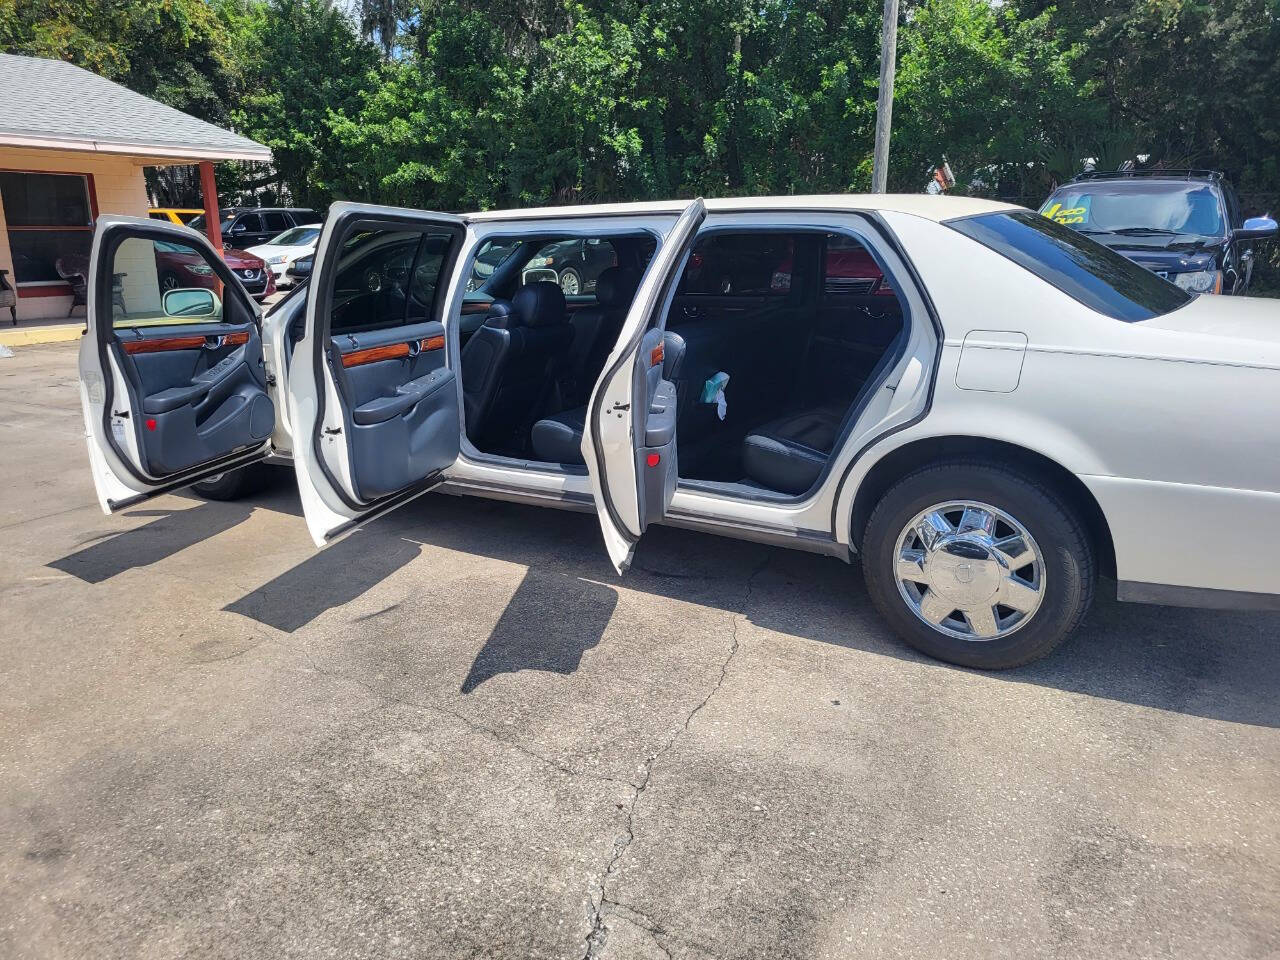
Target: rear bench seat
[(788, 454)]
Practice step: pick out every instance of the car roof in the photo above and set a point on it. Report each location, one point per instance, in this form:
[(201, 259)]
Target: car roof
[(917, 204)]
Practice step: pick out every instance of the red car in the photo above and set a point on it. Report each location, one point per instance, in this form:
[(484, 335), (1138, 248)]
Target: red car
[(849, 269), (179, 266)]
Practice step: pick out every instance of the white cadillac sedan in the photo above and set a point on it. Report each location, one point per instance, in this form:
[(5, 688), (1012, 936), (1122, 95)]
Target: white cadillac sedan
[(990, 409)]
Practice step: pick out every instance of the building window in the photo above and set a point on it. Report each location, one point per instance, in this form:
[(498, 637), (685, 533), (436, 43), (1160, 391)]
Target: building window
[(49, 218)]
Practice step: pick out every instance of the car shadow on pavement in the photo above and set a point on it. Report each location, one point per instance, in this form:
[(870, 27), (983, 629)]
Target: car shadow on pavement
[(330, 578), (170, 532), (571, 616), (1215, 664)]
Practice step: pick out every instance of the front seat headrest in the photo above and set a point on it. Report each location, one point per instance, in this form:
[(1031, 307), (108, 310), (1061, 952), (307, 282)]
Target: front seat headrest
[(499, 315), (616, 286), (539, 304)]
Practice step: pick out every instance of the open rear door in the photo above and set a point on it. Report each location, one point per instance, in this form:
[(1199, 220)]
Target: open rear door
[(373, 405), (172, 382), (629, 445)]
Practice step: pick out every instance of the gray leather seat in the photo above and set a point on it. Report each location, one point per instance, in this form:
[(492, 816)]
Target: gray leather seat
[(596, 329), (789, 454), (509, 366), (558, 439)]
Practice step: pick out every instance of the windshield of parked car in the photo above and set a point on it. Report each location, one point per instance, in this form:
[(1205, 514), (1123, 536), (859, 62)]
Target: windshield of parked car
[(227, 216), (296, 237), (1082, 268), (1138, 208)]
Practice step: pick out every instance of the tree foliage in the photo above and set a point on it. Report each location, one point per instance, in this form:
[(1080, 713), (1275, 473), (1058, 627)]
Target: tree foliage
[(457, 104)]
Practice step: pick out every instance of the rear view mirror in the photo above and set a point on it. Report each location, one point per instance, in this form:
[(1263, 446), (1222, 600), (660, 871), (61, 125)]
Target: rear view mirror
[(194, 303), (1257, 228)]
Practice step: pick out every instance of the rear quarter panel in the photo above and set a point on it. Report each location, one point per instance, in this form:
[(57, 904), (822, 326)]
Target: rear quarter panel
[(1174, 432)]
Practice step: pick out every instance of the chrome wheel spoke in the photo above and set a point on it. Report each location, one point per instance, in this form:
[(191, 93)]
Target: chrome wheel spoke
[(934, 608), (931, 528), (911, 566), (982, 621), (1020, 596), (1015, 551), (976, 520)]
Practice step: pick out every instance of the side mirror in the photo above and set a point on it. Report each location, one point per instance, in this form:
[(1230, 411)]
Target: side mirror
[(238, 228), (193, 303), (1257, 228)]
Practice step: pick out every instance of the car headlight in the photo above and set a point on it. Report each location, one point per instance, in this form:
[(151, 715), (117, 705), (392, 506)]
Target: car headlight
[(1199, 281), (203, 269), (277, 258), (539, 262)]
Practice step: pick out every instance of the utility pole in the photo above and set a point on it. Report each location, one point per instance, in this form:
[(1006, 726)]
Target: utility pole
[(884, 104)]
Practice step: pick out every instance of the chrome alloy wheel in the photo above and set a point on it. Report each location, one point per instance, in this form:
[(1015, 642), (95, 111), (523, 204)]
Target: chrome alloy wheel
[(969, 570)]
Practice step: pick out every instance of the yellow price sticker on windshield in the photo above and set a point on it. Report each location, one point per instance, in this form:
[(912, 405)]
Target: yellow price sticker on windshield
[(1068, 215)]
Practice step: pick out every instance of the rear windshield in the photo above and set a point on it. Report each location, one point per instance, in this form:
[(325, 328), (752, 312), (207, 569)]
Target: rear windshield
[(1095, 275)]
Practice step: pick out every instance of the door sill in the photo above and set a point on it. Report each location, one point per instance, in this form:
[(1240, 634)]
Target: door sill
[(810, 541)]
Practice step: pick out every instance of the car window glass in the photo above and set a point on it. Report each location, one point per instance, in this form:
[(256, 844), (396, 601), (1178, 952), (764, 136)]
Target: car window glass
[(575, 264), (388, 278), (848, 269), (744, 265), (250, 222), (1191, 209), (160, 282), (1080, 267), (276, 221), (297, 236)]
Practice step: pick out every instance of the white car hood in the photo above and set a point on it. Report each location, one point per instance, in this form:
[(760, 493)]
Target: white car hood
[(1230, 329)]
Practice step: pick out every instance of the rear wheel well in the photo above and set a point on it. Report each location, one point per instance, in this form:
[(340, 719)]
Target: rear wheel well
[(912, 456)]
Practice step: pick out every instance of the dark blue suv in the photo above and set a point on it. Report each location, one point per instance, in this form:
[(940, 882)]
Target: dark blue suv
[(1183, 224)]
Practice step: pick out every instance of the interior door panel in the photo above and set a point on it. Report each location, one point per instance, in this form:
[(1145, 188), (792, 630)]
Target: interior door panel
[(401, 405), (201, 390), (173, 384), (656, 466)]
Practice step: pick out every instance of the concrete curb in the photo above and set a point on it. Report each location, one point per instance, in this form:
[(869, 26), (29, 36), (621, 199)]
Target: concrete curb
[(29, 336)]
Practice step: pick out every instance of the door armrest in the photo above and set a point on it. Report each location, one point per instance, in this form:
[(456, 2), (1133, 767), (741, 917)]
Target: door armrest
[(406, 397)]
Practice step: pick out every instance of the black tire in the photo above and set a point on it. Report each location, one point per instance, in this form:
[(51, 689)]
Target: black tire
[(1069, 562), (232, 485)]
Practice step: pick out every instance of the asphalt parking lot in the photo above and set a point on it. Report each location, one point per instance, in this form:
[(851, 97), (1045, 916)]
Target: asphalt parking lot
[(458, 734)]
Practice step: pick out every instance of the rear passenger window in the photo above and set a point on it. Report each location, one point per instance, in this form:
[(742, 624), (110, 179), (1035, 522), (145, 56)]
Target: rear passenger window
[(741, 265), (388, 278), (574, 264), (276, 222)]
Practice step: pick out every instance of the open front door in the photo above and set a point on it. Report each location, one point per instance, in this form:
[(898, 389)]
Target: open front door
[(172, 382), (630, 442), (374, 407)]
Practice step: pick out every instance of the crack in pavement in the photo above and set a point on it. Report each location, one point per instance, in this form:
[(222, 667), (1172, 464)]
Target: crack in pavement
[(598, 933)]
